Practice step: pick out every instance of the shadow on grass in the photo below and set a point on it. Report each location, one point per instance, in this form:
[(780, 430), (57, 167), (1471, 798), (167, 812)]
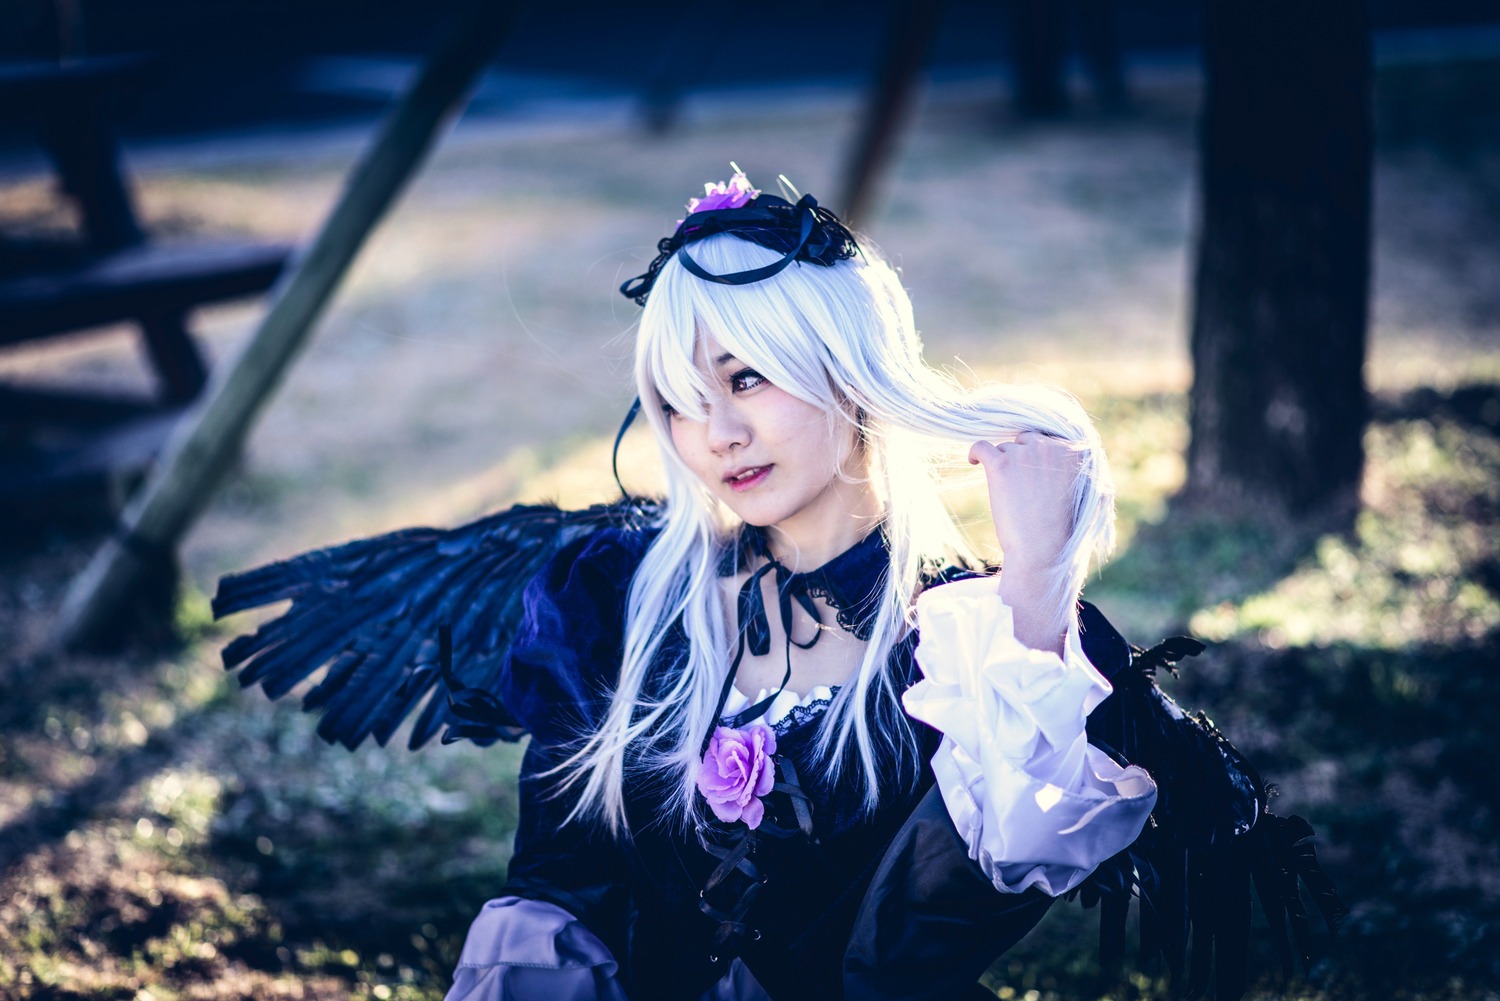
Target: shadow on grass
[(1385, 744), (46, 698), (60, 810), (335, 873), (1388, 754), (224, 844), (1195, 558), (1191, 555)]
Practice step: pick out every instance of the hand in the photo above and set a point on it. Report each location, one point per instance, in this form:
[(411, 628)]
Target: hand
[(1031, 499), (1031, 483)]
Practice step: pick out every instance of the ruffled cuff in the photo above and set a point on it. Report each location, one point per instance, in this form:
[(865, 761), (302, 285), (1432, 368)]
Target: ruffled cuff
[(1034, 801), (531, 950)]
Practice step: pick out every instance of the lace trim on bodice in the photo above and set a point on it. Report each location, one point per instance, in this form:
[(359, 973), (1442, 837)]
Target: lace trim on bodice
[(788, 711)]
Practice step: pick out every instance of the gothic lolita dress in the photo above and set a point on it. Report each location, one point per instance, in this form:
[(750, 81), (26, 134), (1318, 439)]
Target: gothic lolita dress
[(1038, 777)]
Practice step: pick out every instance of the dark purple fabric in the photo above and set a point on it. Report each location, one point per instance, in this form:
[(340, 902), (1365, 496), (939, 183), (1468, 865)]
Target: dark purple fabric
[(567, 650)]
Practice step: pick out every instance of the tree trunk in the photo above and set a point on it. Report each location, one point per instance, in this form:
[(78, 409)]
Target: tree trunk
[(912, 26), (1038, 56), (1283, 257)]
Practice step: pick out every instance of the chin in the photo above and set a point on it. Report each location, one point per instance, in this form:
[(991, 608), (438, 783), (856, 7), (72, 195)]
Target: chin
[(756, 519), (759, 515)]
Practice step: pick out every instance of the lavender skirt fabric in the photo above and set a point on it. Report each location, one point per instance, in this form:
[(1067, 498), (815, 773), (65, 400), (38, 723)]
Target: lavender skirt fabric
[(527, 950)]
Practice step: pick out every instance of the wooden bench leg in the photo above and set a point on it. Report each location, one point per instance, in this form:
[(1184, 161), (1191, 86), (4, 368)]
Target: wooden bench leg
[(83, 147), (175, 357)]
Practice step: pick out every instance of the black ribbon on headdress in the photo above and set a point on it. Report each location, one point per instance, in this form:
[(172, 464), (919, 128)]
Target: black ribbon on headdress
[(614, 454), (806, 222), (802, 232)]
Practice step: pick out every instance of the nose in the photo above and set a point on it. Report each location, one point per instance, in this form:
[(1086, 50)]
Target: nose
[(727, 429)]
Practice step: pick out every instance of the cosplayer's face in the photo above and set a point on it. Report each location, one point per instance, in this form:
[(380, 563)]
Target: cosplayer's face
[(771, 458)]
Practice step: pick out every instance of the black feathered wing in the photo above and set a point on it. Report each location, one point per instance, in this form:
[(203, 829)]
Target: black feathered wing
[(375, 611), (1208, 840)]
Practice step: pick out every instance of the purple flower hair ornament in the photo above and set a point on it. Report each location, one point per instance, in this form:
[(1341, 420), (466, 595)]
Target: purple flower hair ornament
[(737, 771), (731, 194)]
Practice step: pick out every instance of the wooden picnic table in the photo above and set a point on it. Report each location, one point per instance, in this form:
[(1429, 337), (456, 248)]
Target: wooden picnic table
[(112, 273)]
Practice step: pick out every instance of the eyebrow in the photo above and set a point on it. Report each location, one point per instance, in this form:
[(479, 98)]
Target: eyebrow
[(727, 356)]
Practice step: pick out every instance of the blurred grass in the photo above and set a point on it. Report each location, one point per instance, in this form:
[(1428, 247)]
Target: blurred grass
[(1356, 670), (180, 844), (189, 841), (163, 836)]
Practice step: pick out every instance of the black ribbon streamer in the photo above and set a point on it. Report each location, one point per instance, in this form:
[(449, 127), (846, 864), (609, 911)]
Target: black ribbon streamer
[(755, 632)]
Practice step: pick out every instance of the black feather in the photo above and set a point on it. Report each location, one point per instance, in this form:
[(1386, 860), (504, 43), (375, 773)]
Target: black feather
[(1268, 889), (1209, 839), (1232, 938), (1287, 861), (1114, 909), (370, 612)]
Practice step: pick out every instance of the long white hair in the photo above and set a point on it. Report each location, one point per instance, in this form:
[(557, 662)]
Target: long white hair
[(841, 338)]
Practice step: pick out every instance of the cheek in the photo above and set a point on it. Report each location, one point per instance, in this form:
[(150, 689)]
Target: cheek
[(839, 455), (788, 420), (679, 437), (850, 451), (687, 439)]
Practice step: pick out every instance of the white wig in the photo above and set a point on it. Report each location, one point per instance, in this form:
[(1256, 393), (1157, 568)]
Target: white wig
[(840, 338)]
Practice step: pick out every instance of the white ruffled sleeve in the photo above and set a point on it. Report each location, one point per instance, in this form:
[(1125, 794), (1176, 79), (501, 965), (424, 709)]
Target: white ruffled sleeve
[(1035, 802)]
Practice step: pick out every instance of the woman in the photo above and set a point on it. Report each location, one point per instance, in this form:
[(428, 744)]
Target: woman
[(785, 742), (799, 428)]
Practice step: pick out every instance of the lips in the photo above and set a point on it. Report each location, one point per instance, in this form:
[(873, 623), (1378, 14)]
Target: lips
[(746, 477)]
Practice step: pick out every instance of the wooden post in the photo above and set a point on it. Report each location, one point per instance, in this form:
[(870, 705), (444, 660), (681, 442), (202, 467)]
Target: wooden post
[(209, 438), (1039, 57), (912, 26)]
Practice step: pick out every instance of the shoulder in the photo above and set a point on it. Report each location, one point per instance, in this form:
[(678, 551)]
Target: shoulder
[(566, 653), (599, 564)]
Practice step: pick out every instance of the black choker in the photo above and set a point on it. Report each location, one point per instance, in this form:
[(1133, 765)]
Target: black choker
[(851, 583)]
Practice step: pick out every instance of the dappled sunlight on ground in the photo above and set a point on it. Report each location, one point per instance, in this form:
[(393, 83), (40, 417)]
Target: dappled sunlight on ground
[(165, 835)]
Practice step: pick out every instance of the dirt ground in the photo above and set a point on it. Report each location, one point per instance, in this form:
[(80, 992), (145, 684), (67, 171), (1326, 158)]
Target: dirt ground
[(170, 837)]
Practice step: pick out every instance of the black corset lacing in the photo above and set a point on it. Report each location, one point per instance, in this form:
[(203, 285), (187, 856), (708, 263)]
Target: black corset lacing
[(735, 883)]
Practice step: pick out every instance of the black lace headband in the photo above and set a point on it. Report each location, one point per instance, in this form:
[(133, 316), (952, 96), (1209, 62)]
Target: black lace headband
[(802, 232)]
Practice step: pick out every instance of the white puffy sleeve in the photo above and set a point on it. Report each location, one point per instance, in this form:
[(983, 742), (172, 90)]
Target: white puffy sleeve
[(1035, 802)]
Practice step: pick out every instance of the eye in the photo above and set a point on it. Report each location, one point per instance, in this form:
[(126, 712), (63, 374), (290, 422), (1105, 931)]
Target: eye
[(746, 379), (668, 409)]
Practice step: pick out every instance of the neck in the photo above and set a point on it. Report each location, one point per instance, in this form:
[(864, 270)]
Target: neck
[(843, 515)]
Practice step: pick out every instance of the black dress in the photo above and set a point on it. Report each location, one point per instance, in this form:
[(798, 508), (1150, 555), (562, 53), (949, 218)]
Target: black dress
[(664, 901), (513, 624)]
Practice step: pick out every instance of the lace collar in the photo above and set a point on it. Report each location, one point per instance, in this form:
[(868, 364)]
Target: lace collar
[(851, 582)]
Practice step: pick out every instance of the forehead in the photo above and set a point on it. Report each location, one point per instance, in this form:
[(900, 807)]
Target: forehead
[(710, 354)]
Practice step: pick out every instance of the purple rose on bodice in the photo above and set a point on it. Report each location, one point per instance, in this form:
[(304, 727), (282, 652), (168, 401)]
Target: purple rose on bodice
[(737, 770)]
